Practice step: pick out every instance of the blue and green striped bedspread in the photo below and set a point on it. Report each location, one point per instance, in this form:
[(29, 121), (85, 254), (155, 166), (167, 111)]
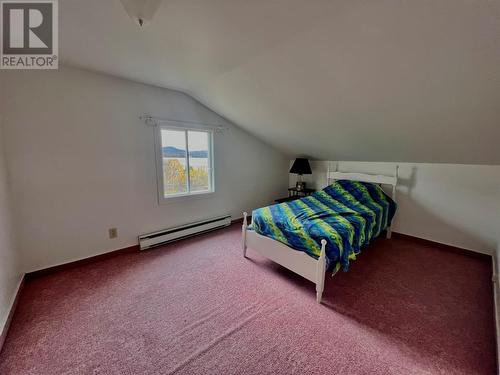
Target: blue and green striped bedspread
[(348, 214)]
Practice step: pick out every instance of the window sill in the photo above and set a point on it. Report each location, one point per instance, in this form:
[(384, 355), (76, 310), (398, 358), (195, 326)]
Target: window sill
[(185, 197)]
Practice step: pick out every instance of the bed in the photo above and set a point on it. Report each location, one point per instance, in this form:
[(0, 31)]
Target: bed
[(323, 232)]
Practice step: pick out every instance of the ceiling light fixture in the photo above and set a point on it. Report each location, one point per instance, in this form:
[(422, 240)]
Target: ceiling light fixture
[(141, 11)]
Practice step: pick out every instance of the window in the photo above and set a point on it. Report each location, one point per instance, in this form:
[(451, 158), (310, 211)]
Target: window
[(185, 162)]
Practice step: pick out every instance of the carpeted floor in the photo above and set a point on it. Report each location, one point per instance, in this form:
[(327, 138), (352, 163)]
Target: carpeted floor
[(198, 307)]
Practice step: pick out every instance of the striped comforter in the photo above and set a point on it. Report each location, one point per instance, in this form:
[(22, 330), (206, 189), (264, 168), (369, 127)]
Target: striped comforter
[(348, 214)]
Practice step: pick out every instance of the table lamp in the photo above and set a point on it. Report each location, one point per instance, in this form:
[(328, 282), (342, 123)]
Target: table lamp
[(300, 167)]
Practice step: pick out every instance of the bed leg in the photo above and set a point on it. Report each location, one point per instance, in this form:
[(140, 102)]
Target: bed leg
[(319, 295), (244, 234), (320, 272), (396, 175)]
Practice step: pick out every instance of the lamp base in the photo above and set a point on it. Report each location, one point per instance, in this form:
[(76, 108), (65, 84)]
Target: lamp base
[(300, 185)]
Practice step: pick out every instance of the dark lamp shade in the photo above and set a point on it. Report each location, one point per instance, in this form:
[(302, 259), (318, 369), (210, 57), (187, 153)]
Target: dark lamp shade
[(301, 166)]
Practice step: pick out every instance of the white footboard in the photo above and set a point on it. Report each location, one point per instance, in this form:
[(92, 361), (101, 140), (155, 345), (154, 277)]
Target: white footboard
[(296, 261)]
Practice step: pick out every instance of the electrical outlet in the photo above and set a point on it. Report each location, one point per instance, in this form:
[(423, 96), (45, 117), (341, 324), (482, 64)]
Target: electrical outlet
[(113, 233)]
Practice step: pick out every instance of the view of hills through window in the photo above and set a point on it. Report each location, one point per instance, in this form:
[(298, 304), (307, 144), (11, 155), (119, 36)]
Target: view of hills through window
[(180, 148)]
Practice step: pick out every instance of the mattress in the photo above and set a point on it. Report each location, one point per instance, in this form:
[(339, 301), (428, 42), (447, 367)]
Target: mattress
[(347, 214)]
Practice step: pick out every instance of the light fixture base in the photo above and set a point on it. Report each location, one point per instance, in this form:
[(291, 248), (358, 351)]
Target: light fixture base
[(141, 11)]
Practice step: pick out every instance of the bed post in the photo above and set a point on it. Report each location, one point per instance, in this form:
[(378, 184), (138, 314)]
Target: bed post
[(244, 234), (389, 231), (320, 272)]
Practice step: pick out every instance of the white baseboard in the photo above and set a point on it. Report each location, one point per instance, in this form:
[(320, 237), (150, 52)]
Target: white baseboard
[(5, 323), (496, 307), (458, 246)]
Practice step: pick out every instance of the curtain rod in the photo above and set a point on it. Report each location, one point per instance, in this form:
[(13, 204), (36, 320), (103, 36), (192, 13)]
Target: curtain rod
[(154, 121)]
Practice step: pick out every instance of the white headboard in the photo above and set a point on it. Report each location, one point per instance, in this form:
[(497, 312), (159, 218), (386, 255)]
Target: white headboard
[(364, 177)]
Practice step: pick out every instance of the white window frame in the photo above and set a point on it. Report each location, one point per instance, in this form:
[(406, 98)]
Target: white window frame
[(159, 164)]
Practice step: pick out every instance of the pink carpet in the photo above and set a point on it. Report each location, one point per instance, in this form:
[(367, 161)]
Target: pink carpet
[(199, 307)]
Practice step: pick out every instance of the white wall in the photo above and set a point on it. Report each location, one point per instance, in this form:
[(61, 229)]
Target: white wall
[(81, 162), (334, 79), (10, 275), (449, 203)]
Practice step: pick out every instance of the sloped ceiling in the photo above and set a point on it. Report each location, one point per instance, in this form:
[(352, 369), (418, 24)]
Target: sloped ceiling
[(373, 80)]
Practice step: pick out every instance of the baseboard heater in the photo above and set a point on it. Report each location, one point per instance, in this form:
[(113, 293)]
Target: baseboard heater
[(165, 236)]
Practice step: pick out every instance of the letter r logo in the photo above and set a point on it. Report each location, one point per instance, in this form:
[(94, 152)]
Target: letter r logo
[(27, 28)]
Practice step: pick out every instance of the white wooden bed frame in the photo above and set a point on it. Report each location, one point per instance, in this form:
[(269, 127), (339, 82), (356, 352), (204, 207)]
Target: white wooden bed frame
[(298, 261)]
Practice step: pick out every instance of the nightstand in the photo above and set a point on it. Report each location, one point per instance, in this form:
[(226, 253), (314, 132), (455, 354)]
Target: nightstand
[(287, 199), (294, 194)]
